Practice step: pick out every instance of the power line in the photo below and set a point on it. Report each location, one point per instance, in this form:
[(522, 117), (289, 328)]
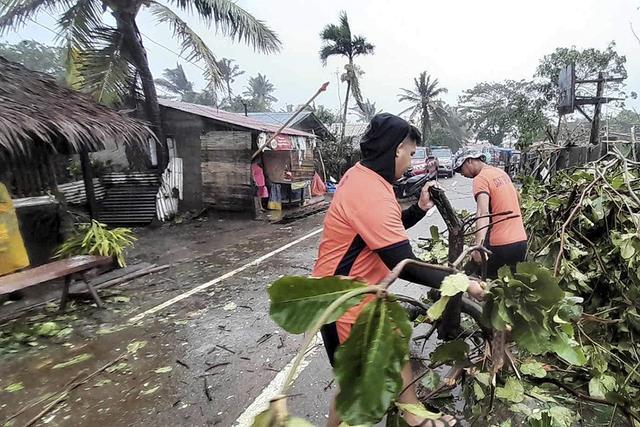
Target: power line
[(174, 52)]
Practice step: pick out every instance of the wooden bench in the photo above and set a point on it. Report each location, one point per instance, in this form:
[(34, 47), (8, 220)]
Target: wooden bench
[(69, 269)]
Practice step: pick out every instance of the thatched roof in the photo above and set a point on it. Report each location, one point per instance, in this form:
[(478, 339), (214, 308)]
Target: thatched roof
[(34, 109)]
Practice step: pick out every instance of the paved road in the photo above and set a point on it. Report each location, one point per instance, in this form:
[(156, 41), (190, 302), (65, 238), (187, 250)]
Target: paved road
[(206, 318)]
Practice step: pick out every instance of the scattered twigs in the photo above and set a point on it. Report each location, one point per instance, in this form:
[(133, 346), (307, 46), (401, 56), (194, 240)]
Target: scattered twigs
[(216, 365), (625, 167), (206, 390), (65, 393)]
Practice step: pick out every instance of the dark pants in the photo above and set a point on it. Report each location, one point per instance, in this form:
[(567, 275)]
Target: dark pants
[(510, 255)]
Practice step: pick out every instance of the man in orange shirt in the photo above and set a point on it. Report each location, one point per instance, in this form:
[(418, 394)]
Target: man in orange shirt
[(494, 193), (365, 232)]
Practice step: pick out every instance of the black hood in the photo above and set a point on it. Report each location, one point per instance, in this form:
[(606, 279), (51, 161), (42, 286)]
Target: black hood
[(379, 143)]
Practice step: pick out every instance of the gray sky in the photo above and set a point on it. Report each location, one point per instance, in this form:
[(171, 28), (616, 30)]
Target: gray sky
[(459, 42)]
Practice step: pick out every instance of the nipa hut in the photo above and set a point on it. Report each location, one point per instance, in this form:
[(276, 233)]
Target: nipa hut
[(40, 120)]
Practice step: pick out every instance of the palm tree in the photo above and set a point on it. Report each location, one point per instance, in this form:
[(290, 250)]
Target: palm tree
[(338, 40), (365, 111), (175, 81), (425, 103), (259, 90), (228, 73), (109, 59)]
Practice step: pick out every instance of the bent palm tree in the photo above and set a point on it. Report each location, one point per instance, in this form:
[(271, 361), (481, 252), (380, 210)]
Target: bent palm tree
[(228, 73), (425, 103), (259, 90), (338, 40), (109, 59), (175, 81), (366, 111)]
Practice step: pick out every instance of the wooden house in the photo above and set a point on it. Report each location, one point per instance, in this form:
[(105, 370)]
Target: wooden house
[(216, 149)]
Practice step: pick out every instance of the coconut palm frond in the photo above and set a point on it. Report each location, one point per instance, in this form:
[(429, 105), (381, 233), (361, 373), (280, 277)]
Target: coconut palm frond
[(167, 85), (15, 13), (191, 43), (78, 23), (105, 70), (232, 20)]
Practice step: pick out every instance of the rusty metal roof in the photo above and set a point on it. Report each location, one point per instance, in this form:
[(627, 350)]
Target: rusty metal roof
[(228, 117)]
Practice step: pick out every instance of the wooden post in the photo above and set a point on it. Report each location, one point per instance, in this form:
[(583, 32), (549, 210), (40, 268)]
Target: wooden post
[(87, 175), (594, 138)]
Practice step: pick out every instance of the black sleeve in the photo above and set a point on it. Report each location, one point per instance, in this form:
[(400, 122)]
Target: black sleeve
[(412, 215), (393, 254)]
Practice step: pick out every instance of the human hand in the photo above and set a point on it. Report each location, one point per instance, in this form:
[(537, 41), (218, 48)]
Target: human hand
[(476, 290), (477, 256), (425, 203)]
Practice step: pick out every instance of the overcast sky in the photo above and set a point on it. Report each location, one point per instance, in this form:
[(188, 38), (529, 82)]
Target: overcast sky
[(459, 42)]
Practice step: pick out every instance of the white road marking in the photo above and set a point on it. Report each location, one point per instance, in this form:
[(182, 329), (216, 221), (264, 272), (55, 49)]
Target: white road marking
[(273, 388), (210, 283)]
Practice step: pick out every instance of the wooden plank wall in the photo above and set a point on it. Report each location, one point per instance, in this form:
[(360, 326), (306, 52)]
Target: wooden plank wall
[(305, 171), (226, 170)]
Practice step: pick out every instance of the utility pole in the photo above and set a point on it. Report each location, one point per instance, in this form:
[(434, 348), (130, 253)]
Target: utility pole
[(594, 138), (569, 102)]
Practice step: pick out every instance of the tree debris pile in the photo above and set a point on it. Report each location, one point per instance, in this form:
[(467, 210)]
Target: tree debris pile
[(584, 225)]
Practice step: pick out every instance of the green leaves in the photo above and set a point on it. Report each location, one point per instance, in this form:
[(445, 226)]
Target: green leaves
[(418, 410), (96, 239), (568, 349), (368, 364), (452, 351), (532, 303), (600, 386), (451, 286), (12, 388), (297, 302), (74, 360), (513, 391), (534, 369)]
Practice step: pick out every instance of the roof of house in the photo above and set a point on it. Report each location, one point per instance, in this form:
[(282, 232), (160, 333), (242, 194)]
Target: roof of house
[(280, 118), (351, 129), (34, 109), (228, 117)]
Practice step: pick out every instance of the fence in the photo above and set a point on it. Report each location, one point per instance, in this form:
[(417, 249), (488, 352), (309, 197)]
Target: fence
[(544, 162)]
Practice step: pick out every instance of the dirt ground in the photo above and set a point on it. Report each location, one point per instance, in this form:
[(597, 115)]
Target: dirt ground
[(191, 345)]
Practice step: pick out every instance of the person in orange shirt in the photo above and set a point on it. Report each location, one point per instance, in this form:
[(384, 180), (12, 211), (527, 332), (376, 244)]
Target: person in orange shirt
[(494, 192), (365, 234)]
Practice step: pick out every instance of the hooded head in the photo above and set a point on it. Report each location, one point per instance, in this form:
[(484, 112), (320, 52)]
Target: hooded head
[(387, 146)]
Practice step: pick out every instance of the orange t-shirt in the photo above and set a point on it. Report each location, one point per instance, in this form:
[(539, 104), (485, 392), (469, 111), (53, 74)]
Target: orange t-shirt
[(503, 196), (364, 216)]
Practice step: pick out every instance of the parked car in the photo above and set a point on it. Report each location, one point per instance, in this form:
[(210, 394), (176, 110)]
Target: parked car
[(445, 160), (423, 163)]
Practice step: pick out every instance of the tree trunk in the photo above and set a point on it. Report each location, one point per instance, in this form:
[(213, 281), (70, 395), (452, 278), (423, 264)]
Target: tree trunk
[(425, 125), (344, 114), (127, 24), (229, 90)]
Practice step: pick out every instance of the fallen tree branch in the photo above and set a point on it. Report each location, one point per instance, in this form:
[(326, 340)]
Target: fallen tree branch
[(65, 393), (583, 396)]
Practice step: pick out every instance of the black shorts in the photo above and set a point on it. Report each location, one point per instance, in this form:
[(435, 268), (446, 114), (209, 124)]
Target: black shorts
[(510, 255)]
